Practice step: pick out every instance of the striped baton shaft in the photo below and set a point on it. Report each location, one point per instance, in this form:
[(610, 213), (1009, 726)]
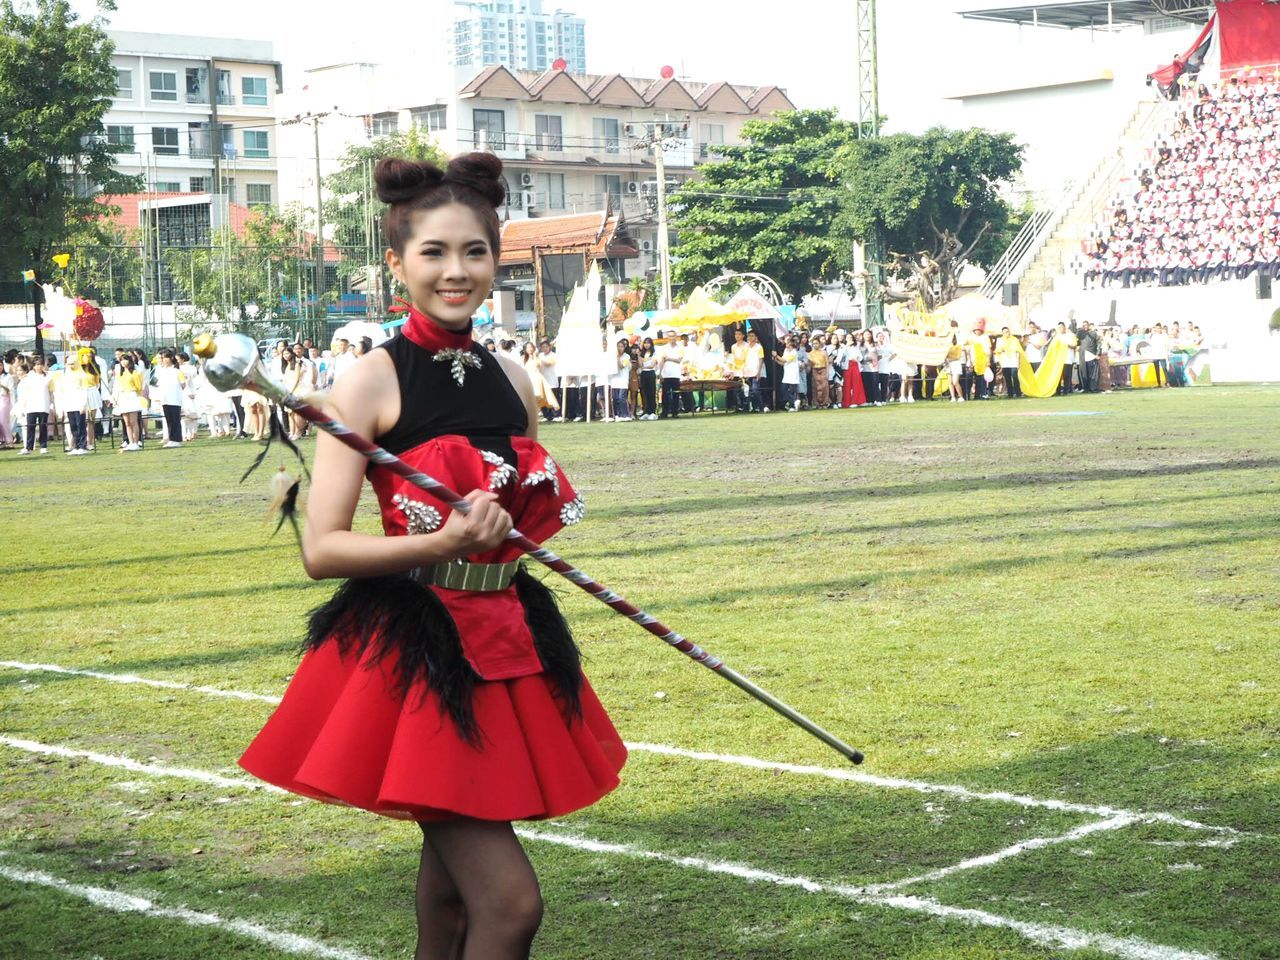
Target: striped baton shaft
[(546, 557)]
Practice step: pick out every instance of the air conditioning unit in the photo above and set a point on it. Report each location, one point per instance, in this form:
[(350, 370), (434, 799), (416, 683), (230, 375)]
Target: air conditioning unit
[(526, 179), (634, 130), (526, 199), (633, 187), (649, 186), (646, 246)]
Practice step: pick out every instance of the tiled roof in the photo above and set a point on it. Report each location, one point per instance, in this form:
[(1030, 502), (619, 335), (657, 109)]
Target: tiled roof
[(600, 234), (129, 205)]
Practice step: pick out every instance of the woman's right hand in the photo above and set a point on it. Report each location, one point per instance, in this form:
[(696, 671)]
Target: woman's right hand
[(481, 530)]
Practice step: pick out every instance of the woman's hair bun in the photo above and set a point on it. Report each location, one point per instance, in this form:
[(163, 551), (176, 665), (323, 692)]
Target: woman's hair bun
[(400, 181), (481, 172)]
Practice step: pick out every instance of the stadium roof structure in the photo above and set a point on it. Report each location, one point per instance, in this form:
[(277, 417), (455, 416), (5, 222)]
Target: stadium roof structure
[(1093, 14)]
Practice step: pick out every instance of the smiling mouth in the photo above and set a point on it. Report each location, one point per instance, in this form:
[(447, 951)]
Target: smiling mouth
[(453, 296)]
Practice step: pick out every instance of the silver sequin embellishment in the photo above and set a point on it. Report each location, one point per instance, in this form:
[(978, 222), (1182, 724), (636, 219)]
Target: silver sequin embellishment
[(460, 360), (549, 472), (419, 517), (573, 511), (502, 473)]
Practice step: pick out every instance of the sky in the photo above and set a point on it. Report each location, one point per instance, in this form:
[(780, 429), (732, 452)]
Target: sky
[(810, 50)]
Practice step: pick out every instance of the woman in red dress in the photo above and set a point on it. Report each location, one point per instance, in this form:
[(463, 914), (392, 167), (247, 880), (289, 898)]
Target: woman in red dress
[(440, 684)]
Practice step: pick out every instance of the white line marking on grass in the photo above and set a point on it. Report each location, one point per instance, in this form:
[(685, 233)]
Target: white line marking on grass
[(852, 776), (986, 860), (129, 678), (1127, 948), (119, 902), (134, 766), (1048, 935), (921, 786)]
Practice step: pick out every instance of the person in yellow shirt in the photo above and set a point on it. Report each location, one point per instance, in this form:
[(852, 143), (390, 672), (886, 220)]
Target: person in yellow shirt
[(818, 372), (1008, 353), (736, 398), (955, 364), (128, 403)]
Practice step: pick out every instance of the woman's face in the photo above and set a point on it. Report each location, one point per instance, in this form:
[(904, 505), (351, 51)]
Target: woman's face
[(447, 265)]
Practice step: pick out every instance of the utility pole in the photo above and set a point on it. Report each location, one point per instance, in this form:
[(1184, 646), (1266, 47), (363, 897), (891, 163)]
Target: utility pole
[(666, 134), (315, 119), (869, 126)]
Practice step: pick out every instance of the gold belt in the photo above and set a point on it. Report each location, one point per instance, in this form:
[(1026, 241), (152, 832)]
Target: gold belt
[(460, 575)]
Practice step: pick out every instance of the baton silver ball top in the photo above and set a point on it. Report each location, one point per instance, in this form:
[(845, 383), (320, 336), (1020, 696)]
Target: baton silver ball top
[(232, 362)]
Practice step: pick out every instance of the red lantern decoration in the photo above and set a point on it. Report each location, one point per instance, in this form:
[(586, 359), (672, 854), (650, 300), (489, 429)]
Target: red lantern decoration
[(667, 73), (89, 321), (560, 64)]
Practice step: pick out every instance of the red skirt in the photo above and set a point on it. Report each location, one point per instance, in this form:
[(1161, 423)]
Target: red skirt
[(854, 395), (344, 734)]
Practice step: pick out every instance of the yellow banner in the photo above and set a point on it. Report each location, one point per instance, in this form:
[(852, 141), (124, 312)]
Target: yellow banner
[(926, 351), (1043, 382)]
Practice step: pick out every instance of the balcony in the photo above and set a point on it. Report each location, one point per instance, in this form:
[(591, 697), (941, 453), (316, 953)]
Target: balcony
[(226, 99)]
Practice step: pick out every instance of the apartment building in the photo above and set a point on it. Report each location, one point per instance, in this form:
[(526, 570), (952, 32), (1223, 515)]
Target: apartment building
[(516, 35), (563, 137), (197, 115)]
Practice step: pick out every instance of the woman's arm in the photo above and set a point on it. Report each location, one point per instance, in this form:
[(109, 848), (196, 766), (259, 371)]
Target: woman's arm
[(367, 401), (519, 378)]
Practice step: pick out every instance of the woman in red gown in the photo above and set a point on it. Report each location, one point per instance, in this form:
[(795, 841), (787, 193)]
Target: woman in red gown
[(440, 684)]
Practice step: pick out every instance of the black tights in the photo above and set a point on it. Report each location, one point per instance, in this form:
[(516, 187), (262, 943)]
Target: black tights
[(477, 895)]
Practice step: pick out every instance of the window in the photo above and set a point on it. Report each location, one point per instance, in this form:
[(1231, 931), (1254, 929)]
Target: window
[(257, 194), (124, 84), (611, 187), (712, 135), (551, 191), (255, 144), (201, 184), (199, 142), (197, 85), (167, 186), (164, 86), (385, 124), (490, 129), (253, 91), (430, 118), (547, 129), (164, 140), (606, 134), (225, 96), (229, 188), (120, 136)]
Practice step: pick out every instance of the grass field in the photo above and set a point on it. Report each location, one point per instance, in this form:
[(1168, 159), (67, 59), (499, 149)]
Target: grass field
[(1055, 637)]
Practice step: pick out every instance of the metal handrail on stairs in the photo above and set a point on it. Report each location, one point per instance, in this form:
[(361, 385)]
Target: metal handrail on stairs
[(1035, 233), (1031, 237)]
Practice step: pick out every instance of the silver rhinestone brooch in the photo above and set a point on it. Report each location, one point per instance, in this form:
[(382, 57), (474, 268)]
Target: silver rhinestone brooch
[(459, 360), (503, 472), (419, 517), (548, 474), (573, 511)]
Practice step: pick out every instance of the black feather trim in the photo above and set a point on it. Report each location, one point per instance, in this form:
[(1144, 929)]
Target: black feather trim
[(274, 433), (552, 639), (395, 615), (289, 511)]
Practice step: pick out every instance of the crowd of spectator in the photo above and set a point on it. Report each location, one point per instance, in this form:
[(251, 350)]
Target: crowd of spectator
[(1207, 206), (80, 398)]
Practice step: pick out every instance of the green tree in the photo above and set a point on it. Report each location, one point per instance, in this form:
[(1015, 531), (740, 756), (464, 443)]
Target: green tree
[(106, 264), (247, 284), (768, 206), (936, 200), (56, 84), (352, 209)]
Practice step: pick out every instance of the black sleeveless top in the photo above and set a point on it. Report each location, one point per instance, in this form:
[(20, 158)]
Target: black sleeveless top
[(485, 408)]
